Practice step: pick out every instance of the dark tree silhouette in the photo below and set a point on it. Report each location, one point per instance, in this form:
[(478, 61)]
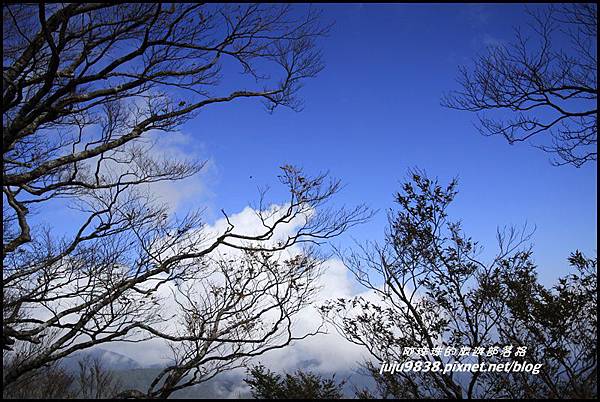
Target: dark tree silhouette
[(94, 381), (543, 83), (265, 384), (48, 382), (87, 90), (90, 379), (431, 290)]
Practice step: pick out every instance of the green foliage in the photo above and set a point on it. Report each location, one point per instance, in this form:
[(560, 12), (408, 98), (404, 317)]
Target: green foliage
[(559, 325), (431, 289), (300, 385)]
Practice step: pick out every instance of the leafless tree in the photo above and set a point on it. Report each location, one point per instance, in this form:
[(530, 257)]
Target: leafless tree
[(543, 83), (90, 379), (94, 381), (87, 90), (50, 381), (429, 288)]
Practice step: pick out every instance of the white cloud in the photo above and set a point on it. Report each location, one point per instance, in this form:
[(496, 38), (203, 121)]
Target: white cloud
[(324, 352), (194, 189)]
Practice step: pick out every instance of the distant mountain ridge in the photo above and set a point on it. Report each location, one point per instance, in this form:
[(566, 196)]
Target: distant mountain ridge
[(134, 375), (110, 360)]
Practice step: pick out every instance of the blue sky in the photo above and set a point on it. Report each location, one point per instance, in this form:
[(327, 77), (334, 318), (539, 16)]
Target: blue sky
[(375, 111), (372, 114)]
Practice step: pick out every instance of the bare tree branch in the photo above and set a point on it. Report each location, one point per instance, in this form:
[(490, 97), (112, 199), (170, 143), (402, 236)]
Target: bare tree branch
[(547, 82), (89, 90)]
